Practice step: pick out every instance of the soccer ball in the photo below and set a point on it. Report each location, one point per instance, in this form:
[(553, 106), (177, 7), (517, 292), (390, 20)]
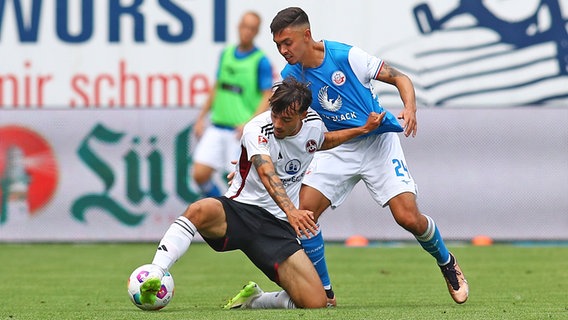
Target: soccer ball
[(164, 295)]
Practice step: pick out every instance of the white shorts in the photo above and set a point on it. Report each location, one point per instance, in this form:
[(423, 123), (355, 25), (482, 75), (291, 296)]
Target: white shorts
[(217, 148), (378, 160)]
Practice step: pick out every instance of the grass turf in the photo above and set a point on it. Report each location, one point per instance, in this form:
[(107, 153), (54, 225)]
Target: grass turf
[(88, 281)]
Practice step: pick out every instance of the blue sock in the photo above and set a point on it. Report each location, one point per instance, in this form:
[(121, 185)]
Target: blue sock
[(432, 242), (209, 189), (314, 248)]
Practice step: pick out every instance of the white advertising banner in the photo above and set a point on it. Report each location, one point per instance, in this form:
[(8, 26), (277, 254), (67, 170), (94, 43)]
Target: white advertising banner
[(144, 53)]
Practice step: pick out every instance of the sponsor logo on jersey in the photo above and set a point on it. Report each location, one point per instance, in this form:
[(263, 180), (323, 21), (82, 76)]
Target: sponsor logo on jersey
[(293, 166), (311, 146), (262, 141), (341, 117), (297, 178), (338, 78)]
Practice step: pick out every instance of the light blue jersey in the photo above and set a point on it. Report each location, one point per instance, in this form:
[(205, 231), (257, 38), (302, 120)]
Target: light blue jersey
[(341, 88)]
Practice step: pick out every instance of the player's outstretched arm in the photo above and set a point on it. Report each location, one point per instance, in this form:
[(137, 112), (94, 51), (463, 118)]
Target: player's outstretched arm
[(335, 138), (300, 220), (199, 126)]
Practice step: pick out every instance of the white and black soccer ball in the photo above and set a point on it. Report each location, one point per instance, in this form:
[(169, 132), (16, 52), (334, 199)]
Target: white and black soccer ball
[(163, 296)]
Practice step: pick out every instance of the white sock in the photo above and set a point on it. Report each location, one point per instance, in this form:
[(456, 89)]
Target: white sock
[(175, 243), (273, 300)]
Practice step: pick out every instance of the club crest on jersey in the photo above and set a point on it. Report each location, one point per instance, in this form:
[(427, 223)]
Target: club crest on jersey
[(329, 104), (338, 78), (262, 141), (311, 146), (292, 167)]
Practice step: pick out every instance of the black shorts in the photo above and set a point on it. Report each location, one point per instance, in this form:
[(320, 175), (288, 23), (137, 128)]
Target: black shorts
[(265, 239)]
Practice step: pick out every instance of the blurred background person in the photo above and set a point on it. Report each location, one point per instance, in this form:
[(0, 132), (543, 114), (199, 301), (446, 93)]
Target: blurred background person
[(241, 91)]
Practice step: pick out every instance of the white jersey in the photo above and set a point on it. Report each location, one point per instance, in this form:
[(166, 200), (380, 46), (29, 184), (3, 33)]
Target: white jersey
[(291, 157)]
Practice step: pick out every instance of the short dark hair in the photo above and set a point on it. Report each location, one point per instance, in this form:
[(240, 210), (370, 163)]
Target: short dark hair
[(289, 17), (290, 95)]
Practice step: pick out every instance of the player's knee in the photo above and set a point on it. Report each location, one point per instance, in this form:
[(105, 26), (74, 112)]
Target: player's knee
[(312, 302), (200, 178), (320, 303), (195, 213), (201, 173), (411, 221), (317, 205), (312, 296)]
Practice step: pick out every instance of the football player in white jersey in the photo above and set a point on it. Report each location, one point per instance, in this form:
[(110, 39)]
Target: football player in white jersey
[(340, 77), (257, 212)]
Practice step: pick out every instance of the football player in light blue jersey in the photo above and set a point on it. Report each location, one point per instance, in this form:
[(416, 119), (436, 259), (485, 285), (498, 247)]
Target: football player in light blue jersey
[(340, 76), (341, 99)]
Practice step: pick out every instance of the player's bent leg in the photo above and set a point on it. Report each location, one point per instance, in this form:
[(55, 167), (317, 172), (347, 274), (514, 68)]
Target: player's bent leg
[(208, 216), (202, 174), (405, 211), (315, 250), (300, 280), (423, 227), (313, 200), (302, 288), (174, 243)]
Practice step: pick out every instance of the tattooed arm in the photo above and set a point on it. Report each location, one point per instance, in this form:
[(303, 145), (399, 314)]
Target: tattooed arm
[(299, 219), (405, 89)]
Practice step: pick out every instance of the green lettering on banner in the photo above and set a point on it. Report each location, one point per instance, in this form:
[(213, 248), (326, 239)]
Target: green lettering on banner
[(134, 191), (183, 164), (103, 201), (104, 171)]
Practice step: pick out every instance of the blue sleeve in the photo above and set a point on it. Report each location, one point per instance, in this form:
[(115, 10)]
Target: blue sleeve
[(264, 74), (220, 62)]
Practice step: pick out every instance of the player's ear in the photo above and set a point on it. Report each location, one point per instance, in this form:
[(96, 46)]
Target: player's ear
[(308, 34)]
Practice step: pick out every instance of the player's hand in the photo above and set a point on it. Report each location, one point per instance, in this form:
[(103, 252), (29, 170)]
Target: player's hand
[(303, 222), (374, 121), (410, 124), (231, 174), (230, 177), (199, 128)]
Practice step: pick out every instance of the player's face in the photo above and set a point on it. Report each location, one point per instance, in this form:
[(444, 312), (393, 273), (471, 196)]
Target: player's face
[(248, 29), (292, 43), (288, 123)]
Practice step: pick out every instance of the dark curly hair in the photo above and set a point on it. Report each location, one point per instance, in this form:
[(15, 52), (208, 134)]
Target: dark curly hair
[(290, 95)]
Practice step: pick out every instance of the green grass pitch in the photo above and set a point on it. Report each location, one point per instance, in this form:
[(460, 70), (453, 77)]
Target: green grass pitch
[(88, 281)]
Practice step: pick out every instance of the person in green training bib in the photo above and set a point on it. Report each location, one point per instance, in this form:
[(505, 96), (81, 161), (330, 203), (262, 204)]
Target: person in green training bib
[(243, 86)]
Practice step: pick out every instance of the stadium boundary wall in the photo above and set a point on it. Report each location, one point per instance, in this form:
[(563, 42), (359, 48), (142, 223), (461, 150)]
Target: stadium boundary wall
[(123, 175)]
